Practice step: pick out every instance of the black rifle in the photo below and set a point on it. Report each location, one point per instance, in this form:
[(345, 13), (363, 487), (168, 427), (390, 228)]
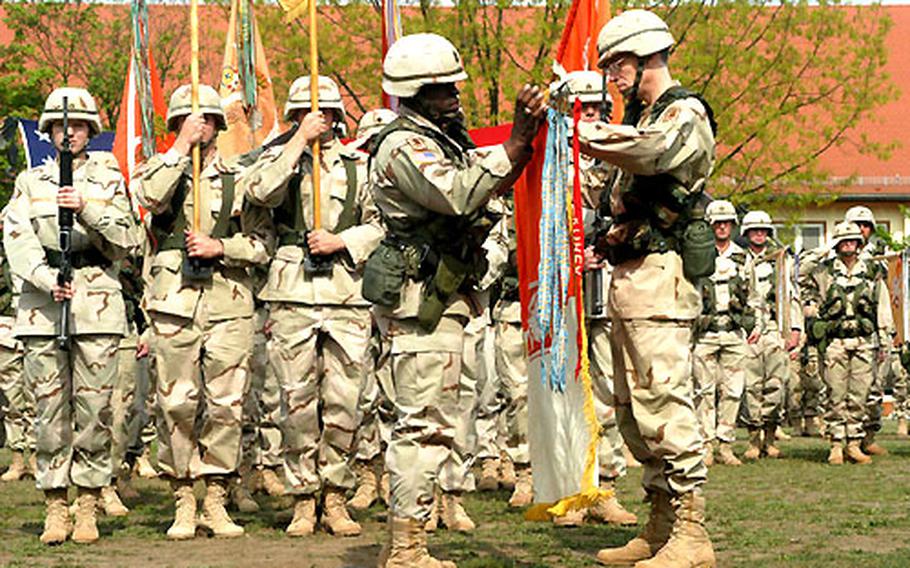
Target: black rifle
[(65, 221)]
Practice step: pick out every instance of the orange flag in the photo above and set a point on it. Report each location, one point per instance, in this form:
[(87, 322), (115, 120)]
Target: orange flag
[(246, 85)]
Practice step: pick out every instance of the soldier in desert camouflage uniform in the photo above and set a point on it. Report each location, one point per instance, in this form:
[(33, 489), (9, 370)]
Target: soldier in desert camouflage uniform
[(665, 153), (200, 301), (72, 387), (321, 323), (431, 188)]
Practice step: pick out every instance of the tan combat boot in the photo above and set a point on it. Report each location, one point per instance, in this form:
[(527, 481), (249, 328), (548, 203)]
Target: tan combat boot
[(902, 428), (780, 434), (572, 518), (836, 455), (453, 515), (523, 495), (304, 521), (629, 457), (709, 454), (812, 429), (385, 491), (855, 454), (56, 518), (242, 498), (214, 515), (650, 540), (610, 510), (409, 547), (335, 517), (367, 486), (433, 522), (85, 527), (17, 468), (271, 482), (689, 545), (870, 447), (33, 465), (726, 456), (768, 447), (111, 503), (754, 451), (184, 525), (489, 474), (125, 487), (508, 476), (144, 467)]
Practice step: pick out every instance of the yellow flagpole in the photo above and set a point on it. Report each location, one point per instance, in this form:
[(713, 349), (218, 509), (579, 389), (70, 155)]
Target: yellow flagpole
[(314, 106), (194, 75)]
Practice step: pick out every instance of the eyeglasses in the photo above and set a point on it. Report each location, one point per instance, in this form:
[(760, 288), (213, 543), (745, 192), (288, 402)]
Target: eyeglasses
[(614, 66)]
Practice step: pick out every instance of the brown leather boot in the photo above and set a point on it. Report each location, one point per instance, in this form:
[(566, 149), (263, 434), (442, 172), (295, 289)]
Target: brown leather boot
[(689, 545), (111, 503), (754, 451), (56, 517), (726, 456), (870, 447), (453, 515), (17, 468), (836, 455), (769, 449), (855, 454), (523, 495), (335, 517), (184, 525), (650, 540), (610, 510), (214, 515), (367, 486), (409, 547), (304, 521), (85, 526), (489, 474)]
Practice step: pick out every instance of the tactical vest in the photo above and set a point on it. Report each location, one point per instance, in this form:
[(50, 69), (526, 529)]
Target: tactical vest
[(739, 315), (771, 280), (851, 311), (663, 214), (168, 227), (442, 251), (290, 221)]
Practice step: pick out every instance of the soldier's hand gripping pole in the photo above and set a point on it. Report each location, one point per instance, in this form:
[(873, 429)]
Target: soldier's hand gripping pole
[(65, 222)]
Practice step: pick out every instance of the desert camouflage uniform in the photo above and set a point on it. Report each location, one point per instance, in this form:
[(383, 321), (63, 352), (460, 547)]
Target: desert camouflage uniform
[(652, 304), (882, 368), (413, 179), (767, 365), (318, 317), (720, 344), (18, 399), (850, 354), (812, 400), (72, 389), (262, 407), (201, 332)]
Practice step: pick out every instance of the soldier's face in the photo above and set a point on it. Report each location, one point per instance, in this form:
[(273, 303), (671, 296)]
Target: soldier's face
[(210, 130), (590, 112), (621, 71), (866, 229), (847, 248), (723, 230), (441, 101), (758, 237), (78, 134)]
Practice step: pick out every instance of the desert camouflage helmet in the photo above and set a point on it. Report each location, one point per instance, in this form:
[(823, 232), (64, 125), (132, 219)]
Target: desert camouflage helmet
[(299, 97), (181, 104), (860, 214), (371, 123), (846, 231), (586, 86), (420, 59), (757, 220), (720, 210), (640, 32), (80, 106)]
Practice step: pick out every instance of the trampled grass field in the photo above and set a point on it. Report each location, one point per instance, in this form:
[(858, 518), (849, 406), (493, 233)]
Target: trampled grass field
[(796, 512)]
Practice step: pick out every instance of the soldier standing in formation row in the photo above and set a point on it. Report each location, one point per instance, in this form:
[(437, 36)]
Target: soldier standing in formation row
[(72, 386)]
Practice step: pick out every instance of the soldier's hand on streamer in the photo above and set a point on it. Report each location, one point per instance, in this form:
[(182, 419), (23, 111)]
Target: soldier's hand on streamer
[(312, 126), (529, 109), (321, 241), (191, 132), (69, 198), (142, 350), (64, 292), (202, 246), (754, 337), (592, 260), (793, 340)]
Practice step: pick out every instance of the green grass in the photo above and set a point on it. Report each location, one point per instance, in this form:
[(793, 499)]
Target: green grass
[(795, 512)]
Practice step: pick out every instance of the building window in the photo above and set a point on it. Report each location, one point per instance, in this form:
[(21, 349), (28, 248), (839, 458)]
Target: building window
[(802, 236)]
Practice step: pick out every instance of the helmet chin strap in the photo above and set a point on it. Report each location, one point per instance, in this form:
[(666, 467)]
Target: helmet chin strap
[(634, 105)]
